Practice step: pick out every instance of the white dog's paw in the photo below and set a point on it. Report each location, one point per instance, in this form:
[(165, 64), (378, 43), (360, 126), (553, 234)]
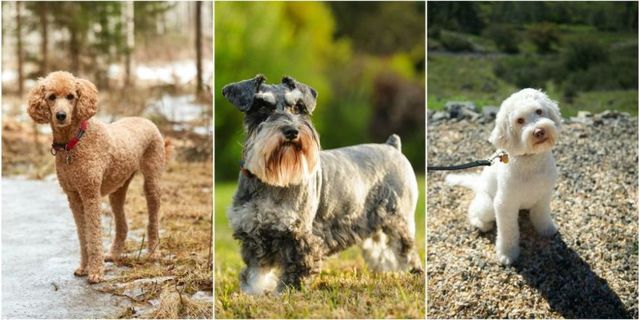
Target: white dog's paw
[(483, 226), (547, 230), (508, 256)]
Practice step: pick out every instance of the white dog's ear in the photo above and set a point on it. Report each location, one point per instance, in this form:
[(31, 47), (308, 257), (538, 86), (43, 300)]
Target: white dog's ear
[(499, 134), (554, 113)]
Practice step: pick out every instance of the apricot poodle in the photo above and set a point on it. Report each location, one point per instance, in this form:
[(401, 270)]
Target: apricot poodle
[(94, 159)]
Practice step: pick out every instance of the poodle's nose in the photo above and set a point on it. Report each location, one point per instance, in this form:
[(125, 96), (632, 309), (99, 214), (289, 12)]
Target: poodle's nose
[(290, 133), (539, 133), (61, 115)]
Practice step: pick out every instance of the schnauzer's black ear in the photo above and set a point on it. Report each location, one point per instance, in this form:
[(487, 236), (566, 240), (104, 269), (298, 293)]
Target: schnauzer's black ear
[(309, 95), (241, 94)]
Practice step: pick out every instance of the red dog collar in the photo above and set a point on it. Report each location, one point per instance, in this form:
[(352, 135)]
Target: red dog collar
[(55, 147)]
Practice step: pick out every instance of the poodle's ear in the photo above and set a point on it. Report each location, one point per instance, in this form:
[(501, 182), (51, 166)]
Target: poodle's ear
[(309, 95), (241, 94), (500, 135), (38, 108), (87, 104)]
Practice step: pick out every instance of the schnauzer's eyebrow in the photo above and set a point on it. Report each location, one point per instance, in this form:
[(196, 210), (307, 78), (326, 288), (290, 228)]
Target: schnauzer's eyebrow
[(266, 97), (292, 97)]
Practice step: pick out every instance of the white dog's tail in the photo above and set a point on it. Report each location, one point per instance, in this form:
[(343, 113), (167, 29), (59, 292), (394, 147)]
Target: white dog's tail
[(470, 181)]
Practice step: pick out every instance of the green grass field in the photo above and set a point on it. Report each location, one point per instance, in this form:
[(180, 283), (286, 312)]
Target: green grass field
[(471, 78), (343, 289)]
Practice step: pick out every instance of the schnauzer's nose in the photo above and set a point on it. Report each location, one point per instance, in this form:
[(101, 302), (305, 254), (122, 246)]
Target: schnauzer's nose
[(538, 133), (61, 115), (290, 133)]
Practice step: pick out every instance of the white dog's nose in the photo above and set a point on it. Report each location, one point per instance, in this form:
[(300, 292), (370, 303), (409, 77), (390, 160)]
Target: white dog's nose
[(539, 133)]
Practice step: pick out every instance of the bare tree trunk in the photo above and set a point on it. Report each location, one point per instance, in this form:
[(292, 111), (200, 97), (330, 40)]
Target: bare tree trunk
[(74, 50), (44, 45), (19, 48), (198, 48), (127, 15)]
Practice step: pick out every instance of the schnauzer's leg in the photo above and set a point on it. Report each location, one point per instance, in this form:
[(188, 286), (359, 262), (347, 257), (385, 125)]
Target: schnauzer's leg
[(117, 200), (378, 254), (481, 213), (301, 257), (507, 241), (259, 276), (403, 245), (258, 280), (540, 216)]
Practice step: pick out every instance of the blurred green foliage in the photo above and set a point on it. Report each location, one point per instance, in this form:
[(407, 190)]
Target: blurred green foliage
[(571, 49), (305, 40)]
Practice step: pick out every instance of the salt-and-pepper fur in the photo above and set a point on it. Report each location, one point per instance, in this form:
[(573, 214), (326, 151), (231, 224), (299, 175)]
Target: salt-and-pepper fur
[(296, 205), (102, 163), (527, 127)]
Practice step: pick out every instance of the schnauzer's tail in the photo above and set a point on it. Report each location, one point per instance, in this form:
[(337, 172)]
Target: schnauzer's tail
[(394, 141)]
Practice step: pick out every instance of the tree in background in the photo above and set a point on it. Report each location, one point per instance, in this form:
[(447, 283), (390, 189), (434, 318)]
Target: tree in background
[(198, 44), (19, 52)]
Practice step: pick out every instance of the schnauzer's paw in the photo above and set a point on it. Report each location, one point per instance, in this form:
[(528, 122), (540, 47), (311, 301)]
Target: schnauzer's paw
[(483, 226), (80, 272), (417, 271), (509, 256), (94, 278), (547, 230)]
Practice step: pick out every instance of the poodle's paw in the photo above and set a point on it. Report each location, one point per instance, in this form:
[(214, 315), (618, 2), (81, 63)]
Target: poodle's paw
[(547, 230), (80, 272), (112, 257), (483, 226), (94, 277), (508, 256)]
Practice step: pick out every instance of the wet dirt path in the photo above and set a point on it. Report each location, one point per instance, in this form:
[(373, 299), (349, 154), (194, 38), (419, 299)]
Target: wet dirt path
[(39, 254)]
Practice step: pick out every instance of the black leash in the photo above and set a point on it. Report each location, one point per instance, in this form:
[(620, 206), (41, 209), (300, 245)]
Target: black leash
[(500, 155), (476, 163)]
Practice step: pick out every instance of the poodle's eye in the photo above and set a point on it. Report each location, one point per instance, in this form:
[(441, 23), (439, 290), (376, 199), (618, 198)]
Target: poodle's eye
[(539, 111), (52, 97), (70, 97), (520, 120)]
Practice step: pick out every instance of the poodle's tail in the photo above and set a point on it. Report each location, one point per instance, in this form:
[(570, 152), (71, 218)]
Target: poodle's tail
[(394, 141), (168, 149), (470, 181)]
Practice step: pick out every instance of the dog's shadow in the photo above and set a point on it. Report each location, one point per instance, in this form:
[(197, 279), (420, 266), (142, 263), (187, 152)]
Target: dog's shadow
[(563, 278)]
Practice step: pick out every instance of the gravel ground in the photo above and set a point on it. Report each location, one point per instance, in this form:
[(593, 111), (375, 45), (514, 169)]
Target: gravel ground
[(588, 270)]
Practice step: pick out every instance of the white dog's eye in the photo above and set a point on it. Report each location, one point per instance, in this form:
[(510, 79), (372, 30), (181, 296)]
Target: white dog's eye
[(539, 111), (520, 120)]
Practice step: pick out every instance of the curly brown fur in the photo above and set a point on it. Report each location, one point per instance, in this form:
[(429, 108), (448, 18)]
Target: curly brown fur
[(102, 163)]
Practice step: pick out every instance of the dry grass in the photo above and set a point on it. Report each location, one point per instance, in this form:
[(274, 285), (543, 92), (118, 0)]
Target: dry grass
[(185, 242)]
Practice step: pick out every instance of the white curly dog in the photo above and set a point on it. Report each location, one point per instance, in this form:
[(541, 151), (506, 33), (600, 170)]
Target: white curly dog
[(527, 127)]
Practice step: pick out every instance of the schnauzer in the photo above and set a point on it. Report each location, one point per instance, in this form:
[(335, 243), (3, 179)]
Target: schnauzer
[(296, 204)]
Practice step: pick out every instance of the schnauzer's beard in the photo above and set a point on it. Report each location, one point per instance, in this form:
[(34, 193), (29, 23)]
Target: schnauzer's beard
[(280, 162)]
